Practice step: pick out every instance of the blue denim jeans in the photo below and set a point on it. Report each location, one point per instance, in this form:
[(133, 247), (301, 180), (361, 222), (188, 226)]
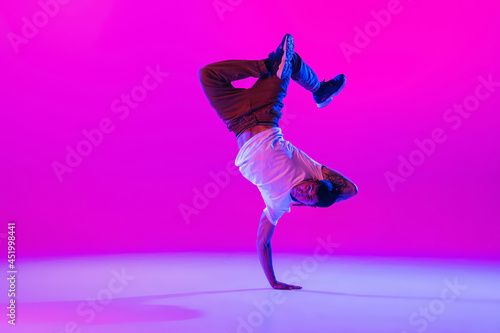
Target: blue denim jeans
[(241, 109)]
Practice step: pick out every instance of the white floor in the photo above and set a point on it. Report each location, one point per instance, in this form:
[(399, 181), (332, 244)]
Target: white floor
[(214, 292)]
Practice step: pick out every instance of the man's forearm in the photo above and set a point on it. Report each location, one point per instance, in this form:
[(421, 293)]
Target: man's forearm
[(266, 261), (344, 196), (345, 188), (264, 235)]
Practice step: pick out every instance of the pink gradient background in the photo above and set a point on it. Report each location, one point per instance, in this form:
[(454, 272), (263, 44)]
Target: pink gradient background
[(125, 196)]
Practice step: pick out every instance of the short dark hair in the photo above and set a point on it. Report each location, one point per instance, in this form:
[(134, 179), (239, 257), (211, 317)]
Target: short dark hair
[(327, 193)]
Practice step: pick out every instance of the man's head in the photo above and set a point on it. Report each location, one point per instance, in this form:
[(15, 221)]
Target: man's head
[(316, 193)]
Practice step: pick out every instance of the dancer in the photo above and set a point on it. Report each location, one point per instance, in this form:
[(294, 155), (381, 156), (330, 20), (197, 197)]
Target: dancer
[(284, 174)]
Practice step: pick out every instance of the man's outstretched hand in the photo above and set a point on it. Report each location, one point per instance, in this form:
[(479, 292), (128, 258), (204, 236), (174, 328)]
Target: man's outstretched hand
[(284, 286)]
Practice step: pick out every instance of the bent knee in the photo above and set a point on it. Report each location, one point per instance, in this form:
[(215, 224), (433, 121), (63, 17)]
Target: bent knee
[(208, 77), (203, 73)]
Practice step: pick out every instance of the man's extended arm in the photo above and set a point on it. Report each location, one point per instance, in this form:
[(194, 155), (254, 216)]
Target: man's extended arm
[(346, 188), (264, 235)]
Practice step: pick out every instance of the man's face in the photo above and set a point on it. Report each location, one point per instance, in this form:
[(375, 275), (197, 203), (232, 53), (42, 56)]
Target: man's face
[(305, 192)]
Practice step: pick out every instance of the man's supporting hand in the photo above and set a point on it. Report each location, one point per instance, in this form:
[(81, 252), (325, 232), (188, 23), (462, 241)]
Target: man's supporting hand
[(284, 286), (264, 235)]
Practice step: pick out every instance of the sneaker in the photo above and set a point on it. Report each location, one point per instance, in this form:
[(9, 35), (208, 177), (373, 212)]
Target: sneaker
[(327, 90), (280, 62)]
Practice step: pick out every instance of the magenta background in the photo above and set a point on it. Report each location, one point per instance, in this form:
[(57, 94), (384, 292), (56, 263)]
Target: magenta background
[(125, 196)]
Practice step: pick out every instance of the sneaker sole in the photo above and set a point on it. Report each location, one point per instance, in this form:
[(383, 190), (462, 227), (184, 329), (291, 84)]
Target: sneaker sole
[(325, 103), (286, 59)]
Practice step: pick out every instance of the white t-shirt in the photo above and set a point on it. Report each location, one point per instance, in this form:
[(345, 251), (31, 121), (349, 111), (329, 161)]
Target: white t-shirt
[(274, 165)]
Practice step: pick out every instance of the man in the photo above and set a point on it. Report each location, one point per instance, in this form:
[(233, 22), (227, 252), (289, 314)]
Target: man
[(284, 174)]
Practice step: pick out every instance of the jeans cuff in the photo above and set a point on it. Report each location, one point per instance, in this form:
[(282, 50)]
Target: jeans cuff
[(316, 87), (264, 66)]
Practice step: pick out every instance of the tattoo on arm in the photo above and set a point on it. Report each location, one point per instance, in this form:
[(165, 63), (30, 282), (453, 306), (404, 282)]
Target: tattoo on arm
[(340, 182)]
